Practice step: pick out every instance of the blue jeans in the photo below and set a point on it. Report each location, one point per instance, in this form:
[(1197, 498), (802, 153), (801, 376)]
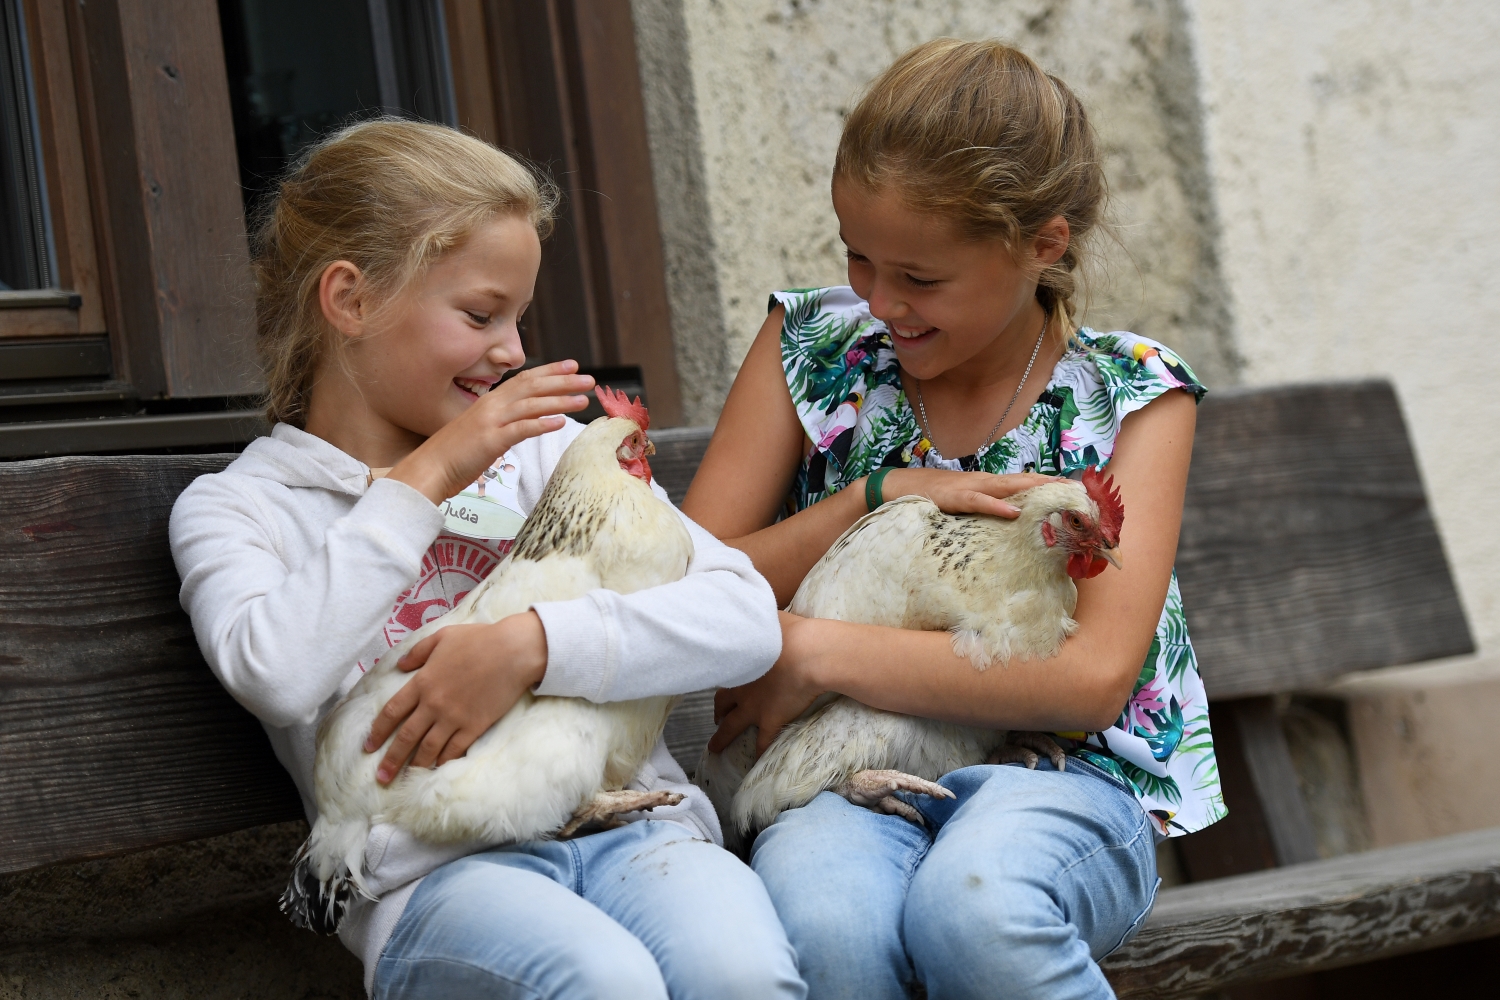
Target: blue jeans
[(1016, 888), (641, 911)]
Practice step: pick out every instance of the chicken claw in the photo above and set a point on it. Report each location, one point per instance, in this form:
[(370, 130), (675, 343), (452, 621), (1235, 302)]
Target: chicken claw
[(604, 809), (877, 790), (1022, 748)]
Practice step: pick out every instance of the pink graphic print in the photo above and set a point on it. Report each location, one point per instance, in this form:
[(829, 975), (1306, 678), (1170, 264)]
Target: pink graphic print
[(450, 569)]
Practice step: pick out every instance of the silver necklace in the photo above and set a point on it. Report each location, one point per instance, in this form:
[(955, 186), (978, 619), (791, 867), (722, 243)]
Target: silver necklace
[(989, 439)]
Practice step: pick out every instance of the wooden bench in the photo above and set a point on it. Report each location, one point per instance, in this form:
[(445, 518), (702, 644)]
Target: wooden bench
[(1307, 551)]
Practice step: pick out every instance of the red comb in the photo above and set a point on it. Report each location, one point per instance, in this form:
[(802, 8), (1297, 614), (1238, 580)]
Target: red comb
[(617, 404), (1102, 490)]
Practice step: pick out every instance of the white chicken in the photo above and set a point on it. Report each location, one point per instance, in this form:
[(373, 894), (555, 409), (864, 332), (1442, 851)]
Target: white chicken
[(1003, 588), (550, 765)]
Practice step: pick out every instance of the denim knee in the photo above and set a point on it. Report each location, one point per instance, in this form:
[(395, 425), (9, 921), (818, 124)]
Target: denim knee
[(1005, 942), (735, 973), (453, 942)]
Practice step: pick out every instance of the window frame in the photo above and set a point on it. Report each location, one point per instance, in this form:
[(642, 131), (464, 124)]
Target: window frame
[(75, 308), (153, 322)]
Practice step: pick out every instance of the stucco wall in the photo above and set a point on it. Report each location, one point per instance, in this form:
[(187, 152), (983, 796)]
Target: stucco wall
[(1353, 146), (746, 100), (1304, 190)]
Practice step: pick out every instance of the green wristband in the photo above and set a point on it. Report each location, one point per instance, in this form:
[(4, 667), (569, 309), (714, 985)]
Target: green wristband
[(874, 496)]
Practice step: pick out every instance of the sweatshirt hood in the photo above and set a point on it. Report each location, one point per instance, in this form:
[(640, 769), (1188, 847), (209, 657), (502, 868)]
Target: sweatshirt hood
[(296, 458)]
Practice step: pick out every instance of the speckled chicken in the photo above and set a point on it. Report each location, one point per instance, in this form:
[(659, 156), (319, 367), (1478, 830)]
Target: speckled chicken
[(1003, 588), (550, 765)]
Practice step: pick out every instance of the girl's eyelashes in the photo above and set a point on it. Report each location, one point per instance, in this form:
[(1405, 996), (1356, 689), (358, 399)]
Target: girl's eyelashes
[(480, 319), (915, 282)]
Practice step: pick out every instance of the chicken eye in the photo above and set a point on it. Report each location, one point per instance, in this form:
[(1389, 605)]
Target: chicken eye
[(1075, 521)]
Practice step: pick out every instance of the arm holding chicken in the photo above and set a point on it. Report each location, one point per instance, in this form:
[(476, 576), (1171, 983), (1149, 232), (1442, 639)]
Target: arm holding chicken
[(868, 636), (917, 672)]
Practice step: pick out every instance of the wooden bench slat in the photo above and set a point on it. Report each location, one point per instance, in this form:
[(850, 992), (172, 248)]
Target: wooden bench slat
[(1212, 935), (114, 734), (1307, 546), (678, 452)]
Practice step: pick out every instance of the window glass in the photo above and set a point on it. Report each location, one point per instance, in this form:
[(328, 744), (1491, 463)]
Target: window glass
[(301, 68), (25, 226)]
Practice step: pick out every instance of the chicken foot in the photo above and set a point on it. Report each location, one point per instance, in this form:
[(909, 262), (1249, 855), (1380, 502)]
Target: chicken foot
[(604, 808), (1023, 748), (877, 790)]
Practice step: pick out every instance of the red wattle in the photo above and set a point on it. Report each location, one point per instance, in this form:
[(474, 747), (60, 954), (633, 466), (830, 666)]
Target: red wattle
[(638, 467), (1078, 566), (1099, 565)]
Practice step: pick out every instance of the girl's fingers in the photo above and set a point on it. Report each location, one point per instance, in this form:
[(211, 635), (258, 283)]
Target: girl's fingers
[(725, 699), (392, 715), (729, 730), (1004, 486), (418, 654), (974, 502), (432, 745), (567, 366), (407, 737), (458, 745), (532, 384), (764, 737)]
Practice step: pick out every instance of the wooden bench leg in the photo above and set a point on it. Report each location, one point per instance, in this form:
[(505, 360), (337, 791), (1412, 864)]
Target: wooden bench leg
[(1268, 823)]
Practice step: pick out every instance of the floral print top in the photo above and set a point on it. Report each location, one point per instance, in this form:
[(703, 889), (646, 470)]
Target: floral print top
[(844, 380)]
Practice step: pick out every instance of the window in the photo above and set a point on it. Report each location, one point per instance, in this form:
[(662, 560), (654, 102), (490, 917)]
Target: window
[(136, 134), (26, 261), (300, 68)]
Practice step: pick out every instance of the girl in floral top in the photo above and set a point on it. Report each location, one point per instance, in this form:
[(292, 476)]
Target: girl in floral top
[(966, 185)]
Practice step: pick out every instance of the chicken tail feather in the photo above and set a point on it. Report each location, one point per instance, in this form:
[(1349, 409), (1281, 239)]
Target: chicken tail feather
[(318, 902)]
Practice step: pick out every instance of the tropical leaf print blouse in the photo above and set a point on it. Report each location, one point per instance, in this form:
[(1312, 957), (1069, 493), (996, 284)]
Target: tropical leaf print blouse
[(844, 380)]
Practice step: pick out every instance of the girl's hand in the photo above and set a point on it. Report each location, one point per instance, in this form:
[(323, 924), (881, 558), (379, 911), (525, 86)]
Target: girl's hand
[(472, 675), (777, 697), (519, 408), (961, 492)]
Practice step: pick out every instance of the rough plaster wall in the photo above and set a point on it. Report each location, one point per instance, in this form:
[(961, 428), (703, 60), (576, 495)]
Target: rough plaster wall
[(682, 206), (768, 85), (1353, 146)]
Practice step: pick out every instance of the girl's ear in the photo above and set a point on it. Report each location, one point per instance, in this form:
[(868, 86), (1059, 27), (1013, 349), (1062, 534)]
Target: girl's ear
[(1051, 241), (341, 295)]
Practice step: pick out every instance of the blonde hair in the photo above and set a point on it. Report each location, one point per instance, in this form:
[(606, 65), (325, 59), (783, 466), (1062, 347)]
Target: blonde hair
[(390, 196), (978, 133)]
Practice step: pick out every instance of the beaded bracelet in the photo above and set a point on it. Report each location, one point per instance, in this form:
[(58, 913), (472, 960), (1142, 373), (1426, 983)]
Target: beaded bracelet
[(874, 495)]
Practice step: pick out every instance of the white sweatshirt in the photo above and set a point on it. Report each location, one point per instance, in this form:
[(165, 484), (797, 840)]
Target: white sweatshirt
[(298, 575)]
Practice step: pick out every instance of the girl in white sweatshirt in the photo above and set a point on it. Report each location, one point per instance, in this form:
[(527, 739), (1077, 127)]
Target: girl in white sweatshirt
[(393, 268)]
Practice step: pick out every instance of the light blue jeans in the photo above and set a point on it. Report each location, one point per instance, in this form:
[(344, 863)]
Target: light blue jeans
[(644, 911), (1015, 889)]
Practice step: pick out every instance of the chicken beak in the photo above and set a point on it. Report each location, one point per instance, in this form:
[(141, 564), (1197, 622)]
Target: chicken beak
[(1111, 556), (650, 447)]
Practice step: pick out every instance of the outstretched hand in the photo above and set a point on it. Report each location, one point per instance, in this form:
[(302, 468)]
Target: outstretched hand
[(776, 698), (962, 492), (471, 676)]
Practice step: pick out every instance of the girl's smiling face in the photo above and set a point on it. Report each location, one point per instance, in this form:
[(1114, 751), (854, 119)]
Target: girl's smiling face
[(947, 300), (415, 362)]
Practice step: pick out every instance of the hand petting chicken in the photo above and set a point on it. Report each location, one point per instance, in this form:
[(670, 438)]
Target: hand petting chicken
[(550, 765), (1003, 588)]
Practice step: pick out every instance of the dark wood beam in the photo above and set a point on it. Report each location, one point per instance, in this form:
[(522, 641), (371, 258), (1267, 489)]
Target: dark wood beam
[(619, 192), (163, 146)]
